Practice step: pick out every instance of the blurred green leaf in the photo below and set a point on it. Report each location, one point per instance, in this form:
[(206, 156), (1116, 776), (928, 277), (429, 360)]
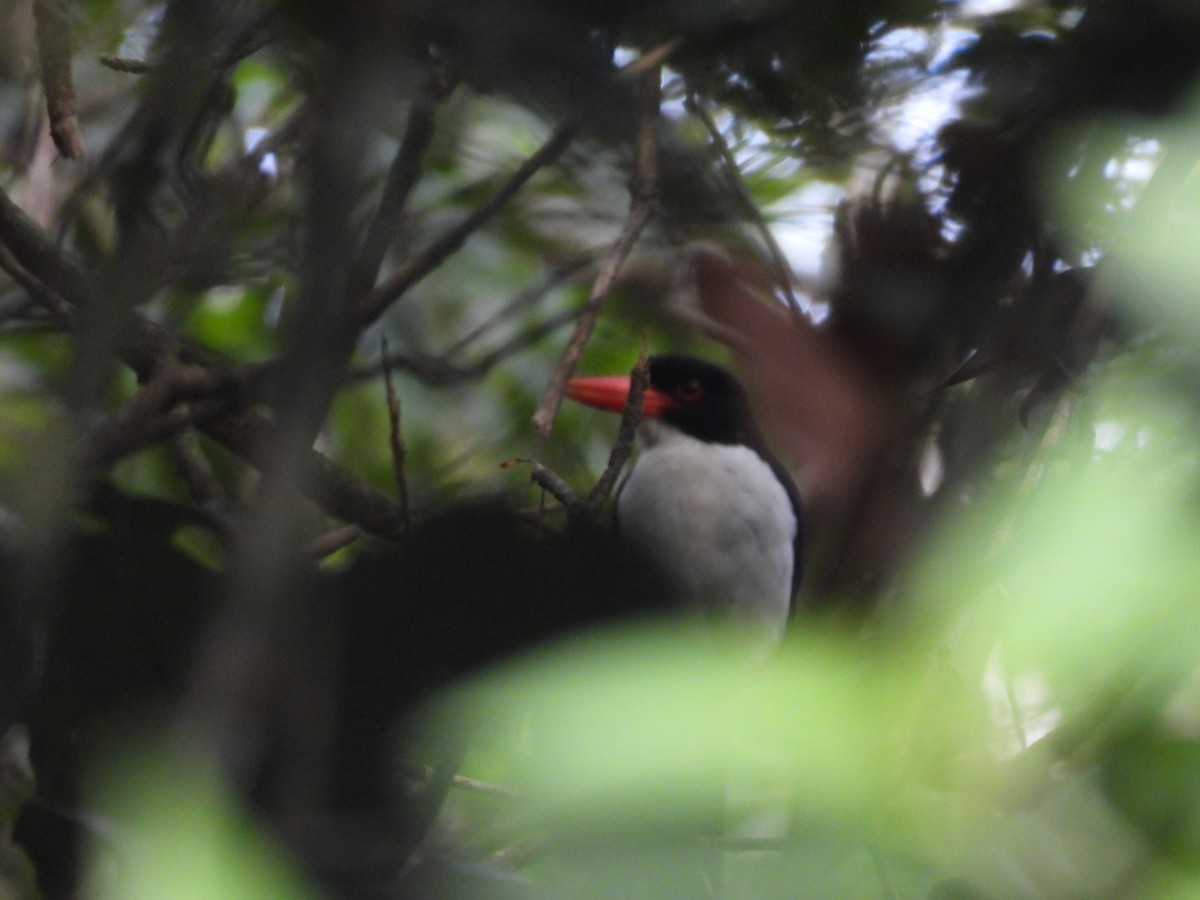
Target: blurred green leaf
[(182, 836)]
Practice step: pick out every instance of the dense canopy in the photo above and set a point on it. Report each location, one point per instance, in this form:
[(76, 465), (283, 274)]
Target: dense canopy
[(289, 295)]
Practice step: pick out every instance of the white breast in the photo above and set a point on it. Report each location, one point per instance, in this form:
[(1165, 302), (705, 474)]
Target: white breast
[(718, 521)]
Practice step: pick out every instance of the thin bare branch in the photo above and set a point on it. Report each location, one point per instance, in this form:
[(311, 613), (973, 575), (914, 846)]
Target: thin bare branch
[(391, 289), (733, 175), (642, 192), (623, 447)]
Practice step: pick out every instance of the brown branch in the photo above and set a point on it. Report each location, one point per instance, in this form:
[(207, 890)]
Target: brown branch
[(399, 451), (623, 447), (391, 289), (733, 175), (401, 177), (642, 190), (54, 50)]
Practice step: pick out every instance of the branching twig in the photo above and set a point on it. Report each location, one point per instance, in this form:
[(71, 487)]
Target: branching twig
[(374, 303), (623, 447), (779, 264), (399, 451), (642, 192)]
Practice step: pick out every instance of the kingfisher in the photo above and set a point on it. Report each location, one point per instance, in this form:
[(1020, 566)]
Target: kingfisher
[(706, 500)]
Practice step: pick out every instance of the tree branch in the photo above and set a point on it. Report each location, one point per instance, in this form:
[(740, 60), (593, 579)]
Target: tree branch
[(54, 52), (642, 190)]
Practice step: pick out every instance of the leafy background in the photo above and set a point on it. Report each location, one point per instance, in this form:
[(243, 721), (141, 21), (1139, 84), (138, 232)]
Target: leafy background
[(987, 392)]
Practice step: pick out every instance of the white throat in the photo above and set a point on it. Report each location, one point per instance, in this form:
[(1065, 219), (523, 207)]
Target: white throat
[(718, 521)]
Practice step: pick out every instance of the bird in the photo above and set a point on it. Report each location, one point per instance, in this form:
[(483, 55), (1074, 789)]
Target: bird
[(706, 501)]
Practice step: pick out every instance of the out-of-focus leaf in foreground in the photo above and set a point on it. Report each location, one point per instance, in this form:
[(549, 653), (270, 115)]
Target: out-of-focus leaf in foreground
[(182, 836)]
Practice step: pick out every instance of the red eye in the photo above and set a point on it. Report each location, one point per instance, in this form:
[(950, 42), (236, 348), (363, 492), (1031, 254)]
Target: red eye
[(689, 392)]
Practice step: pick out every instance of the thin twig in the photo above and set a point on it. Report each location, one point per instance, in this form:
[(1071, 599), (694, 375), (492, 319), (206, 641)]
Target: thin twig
[(396, 436), (779, 264), (548, 480), (623, 447), (387, 292), (642, 190)]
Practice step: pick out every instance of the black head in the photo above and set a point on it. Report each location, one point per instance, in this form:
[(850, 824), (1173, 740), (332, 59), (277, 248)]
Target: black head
[(709, 403)]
